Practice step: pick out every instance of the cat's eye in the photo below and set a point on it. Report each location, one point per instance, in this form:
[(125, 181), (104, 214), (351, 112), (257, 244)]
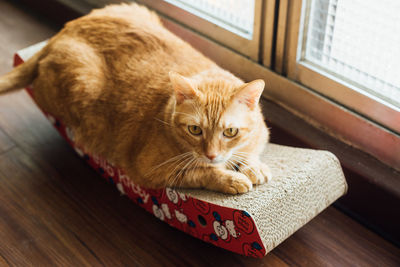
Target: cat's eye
[(231, 132), (195, 130)]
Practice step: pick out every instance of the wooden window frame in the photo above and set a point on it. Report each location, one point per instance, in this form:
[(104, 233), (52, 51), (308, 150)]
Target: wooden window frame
[(244, 46), (379, 133)]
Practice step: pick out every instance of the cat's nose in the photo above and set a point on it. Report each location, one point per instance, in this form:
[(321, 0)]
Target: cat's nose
[(211, 156)]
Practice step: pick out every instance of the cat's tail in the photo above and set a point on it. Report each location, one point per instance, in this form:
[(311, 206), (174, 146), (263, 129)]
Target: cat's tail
[(21, 76)]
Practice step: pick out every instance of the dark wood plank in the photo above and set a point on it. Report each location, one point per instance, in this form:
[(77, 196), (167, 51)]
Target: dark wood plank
[(54, 210), (337, 240), (5, 141), (24, 123), (19, 29)]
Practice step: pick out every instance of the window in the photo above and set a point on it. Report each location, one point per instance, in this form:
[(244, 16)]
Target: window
[(357, 41), (238, 18), (232, 23), (349, 52)]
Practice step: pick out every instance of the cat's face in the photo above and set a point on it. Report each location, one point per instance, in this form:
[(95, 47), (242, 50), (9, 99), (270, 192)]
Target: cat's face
[(214, 121)]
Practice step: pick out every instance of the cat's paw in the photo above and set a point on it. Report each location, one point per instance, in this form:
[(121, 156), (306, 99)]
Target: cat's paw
[(257, 174), (234, 183), (238, 184), (266, 172)]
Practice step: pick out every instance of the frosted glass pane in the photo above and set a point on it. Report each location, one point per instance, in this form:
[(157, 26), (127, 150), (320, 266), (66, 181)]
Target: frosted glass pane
[(236, 16), (359, 40)]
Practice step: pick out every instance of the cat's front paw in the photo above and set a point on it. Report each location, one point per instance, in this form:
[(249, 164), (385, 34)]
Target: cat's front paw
[(257, 174), (239, 184), (266, 172), (233, 183)]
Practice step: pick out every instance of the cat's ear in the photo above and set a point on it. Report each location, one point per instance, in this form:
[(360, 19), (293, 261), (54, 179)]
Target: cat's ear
[(250, 93), (184, 88)]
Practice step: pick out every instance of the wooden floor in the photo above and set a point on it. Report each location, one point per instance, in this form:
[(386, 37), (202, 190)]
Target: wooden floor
[(54, 210)]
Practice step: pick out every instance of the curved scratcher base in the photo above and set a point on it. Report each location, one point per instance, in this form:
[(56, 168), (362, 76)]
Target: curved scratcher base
[(305, 182)]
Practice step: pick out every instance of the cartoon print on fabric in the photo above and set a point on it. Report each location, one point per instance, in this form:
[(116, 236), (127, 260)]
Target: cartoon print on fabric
[(165, 209), (180, 216), (172, 195), (201, 206), (230, 225), (158, 212), (220, 230), (243, 221), (252, 250), (224, 229), (182, 196)]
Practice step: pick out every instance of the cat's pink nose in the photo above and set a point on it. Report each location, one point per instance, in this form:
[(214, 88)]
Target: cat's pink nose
[(211, 156)]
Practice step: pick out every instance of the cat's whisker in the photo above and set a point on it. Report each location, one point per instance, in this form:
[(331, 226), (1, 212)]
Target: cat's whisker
[(243, 160), (178, 162), (242, 153), (177, 166), (181, 171), (195, 163), (239, 161), (190, 169), (183, 155), (173, 180), (177, 170), (227, 165), (172, 160), (235, 165), (231, 164), (239, 156)]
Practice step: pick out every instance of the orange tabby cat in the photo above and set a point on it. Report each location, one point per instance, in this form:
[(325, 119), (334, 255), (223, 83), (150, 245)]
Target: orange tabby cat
[(134, 93)]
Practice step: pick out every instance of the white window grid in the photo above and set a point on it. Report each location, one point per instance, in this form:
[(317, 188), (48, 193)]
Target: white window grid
[(359, 41)]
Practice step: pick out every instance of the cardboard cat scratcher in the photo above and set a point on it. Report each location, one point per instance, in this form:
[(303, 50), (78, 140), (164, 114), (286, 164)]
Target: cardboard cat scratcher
[(305, 182)]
